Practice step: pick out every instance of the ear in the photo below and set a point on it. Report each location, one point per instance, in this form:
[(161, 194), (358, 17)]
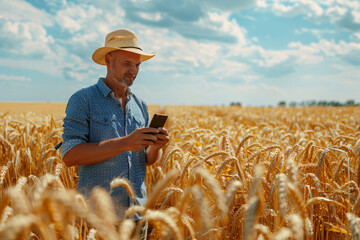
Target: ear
[(107, 59)]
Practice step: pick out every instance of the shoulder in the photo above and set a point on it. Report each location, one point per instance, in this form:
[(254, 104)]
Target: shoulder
[(83, 94), (140, 102), (81, 99), (141, 105)]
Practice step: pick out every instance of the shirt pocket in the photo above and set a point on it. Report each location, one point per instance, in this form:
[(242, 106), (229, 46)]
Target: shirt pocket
[(138, 120), (101, 119), (102, 128)]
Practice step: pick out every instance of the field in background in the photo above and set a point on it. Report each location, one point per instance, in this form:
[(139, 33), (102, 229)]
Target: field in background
[(56, 109), (227, 173)]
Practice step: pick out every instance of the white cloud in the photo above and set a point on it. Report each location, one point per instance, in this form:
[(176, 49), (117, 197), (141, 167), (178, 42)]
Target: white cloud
[(297, 7), (4, 77), (345, 13), (25, 38), (151, 16), (318, 33), (229, 5), (232, 69), (221, 22), (356, 15), (336, 12), (357, 35), (272, 88), (261, 3), (56, 3), (176, 52), (343, 51), (43, 66), (74, 18), (17, 10)]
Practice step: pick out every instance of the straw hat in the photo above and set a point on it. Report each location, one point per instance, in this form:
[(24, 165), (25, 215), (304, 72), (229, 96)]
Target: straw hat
[(120, 40)]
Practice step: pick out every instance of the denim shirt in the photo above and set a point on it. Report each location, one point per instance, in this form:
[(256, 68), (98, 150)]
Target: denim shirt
[(94, 115)]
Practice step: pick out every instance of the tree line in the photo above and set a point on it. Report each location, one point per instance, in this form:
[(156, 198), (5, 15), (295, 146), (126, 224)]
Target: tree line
[(311, 103)]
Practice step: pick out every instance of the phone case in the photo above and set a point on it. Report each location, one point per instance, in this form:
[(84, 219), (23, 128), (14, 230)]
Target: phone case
[(158, 120)]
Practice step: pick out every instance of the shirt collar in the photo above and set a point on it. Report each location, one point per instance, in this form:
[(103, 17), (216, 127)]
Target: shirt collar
[(106, 91)]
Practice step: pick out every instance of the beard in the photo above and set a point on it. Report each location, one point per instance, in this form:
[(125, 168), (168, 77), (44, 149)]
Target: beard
[(126, 80)]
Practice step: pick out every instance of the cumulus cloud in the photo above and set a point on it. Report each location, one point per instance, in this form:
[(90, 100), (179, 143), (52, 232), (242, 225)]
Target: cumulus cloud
[(293, 8), (4, 77), (192, 19), (345, 14), (25, 38), (76, 17), (318, 33), (325, 49), (22, 11)]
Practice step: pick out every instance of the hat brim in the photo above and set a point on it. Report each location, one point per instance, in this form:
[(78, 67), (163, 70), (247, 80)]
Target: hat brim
[(99, 55)]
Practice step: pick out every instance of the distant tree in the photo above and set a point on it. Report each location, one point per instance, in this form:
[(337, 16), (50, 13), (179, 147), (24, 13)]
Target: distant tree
[(335, 103), (312, 103), (282, 104), (322, 103), (238, 104), (293, 104), (350, 103)]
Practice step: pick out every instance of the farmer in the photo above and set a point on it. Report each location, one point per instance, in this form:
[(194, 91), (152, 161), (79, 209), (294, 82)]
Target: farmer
[(105, 128)]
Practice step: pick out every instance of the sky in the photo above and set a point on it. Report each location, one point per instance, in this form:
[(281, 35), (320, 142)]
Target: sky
[(256, 52)]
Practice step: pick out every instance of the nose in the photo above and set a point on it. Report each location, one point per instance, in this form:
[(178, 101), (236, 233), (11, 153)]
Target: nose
[(133, 69)]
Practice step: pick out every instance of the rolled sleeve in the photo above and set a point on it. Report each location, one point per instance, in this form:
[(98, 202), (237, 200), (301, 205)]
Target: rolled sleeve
[(76, 123)]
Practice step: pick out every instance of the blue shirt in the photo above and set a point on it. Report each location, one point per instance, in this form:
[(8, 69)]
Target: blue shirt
[(94, 115)]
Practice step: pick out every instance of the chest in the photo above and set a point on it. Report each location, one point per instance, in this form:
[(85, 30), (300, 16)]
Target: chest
[(111, 119)]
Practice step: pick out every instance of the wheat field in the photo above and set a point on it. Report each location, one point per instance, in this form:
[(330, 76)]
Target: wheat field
[(227, 173)]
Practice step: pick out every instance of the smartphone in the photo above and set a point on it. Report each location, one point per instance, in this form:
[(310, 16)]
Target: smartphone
[(158, 120)]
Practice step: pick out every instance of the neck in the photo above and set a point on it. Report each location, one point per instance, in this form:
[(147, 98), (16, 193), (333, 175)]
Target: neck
[(118, 89)]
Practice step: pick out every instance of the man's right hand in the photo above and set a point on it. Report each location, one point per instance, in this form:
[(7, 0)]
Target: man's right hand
[(141, 138)]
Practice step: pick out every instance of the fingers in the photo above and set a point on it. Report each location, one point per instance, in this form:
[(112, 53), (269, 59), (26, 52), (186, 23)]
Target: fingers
[(148, 130), (163, 131), (150, 137), (162, 137)]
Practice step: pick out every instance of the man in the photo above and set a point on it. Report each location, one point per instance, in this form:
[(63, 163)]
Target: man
[(105, 128)]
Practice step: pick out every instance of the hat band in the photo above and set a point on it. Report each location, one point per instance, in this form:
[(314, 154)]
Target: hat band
[(132, 47)]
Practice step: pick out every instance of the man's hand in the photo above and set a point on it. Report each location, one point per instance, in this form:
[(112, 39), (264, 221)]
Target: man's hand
[(154, 151), (162, 139), (141, 138)]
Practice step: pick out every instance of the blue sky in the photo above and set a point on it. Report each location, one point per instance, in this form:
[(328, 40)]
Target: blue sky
[(257, 52)]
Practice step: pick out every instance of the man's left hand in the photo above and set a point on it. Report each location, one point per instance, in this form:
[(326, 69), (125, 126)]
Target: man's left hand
[(162, 139)]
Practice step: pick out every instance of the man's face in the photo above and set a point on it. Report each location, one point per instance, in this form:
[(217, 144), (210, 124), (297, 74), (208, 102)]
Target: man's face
[(123, 67)]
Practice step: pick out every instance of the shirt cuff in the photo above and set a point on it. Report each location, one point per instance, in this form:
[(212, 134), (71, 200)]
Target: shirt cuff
[(69, 144)]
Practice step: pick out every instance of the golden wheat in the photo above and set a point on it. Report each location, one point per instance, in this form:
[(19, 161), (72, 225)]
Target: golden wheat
[(227, 173)]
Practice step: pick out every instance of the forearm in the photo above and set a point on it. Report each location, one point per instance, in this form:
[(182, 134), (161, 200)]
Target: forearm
[(90, 153), (153, 154)]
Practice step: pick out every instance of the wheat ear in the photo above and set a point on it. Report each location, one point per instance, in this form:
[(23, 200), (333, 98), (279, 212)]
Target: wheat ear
[(353, 226), (203, 216), (123, 182), (159, 187), (126, 229), (214, 188), (102, 204), (166, 222), (321, 161), (16, 226), (251, 216)]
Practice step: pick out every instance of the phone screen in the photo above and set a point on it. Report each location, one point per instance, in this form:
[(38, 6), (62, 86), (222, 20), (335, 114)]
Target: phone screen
[(158, 120)]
